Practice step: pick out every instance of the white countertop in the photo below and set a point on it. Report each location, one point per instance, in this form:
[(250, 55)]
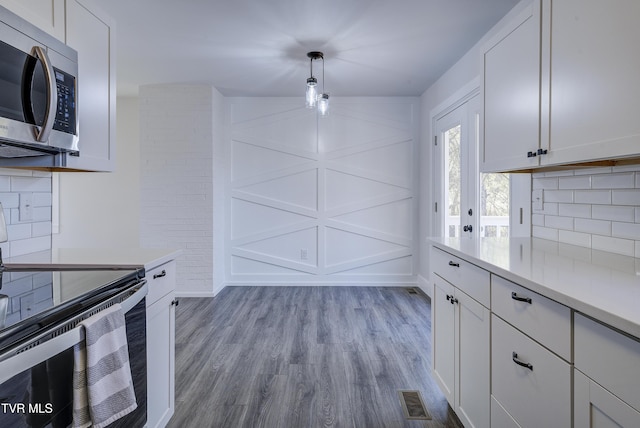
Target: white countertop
[(94, 258), (602, 285)]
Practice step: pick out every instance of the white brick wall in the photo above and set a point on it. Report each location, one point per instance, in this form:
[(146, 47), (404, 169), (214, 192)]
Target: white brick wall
[(26, 235), (597, 208), (176, 178)]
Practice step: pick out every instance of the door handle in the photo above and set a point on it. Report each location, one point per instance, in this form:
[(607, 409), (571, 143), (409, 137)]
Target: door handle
[(514, 357), (42, 134), (468, 228), (515, 296)]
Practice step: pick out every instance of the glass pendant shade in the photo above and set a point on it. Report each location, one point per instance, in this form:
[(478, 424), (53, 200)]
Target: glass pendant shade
[(312, 92), (323, 104)]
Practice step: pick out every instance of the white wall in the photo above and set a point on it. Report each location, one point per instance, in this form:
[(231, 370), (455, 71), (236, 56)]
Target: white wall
[(442, 93), (101, 210), (322, 199), (179, 128)]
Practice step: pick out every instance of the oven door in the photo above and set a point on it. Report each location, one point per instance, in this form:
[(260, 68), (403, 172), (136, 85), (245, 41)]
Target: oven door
[(36, 387)]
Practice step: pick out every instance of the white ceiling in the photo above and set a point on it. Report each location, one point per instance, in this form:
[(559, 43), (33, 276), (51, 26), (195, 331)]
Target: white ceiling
[(258, 47)]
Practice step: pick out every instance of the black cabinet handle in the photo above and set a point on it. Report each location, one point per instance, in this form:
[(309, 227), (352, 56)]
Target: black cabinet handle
[(175, 302), (468, 228), (453, 300), (449, 297), (160, 275), (454, 264), (514, 357), (542, 151), (515, 296), (531, 154)]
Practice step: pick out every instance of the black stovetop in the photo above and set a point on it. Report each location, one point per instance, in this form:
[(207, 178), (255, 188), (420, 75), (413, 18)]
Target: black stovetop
[(33, 299)]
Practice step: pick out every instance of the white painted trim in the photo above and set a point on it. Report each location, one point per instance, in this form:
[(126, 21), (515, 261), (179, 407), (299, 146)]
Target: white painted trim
[(321, 284), (425, 285), (458, 98), (187, 294)]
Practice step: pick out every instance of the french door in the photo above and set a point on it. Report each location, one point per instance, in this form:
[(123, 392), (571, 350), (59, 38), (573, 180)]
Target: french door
[(468, 203)]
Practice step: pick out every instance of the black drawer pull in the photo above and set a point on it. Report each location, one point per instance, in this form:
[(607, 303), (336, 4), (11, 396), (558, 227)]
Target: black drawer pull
[(454, 264), (160, 275), (515, 296), (176, 302), (514, 357)]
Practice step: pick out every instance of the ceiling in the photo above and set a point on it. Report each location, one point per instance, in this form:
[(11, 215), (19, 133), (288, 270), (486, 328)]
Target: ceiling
[(258, 47)]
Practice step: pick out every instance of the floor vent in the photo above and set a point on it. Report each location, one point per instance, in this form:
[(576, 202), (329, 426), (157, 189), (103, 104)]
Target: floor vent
[(412, 290), (413, 405)]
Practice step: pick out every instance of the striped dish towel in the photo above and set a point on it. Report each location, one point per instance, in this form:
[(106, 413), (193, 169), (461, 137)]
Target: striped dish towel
[(102, 383)]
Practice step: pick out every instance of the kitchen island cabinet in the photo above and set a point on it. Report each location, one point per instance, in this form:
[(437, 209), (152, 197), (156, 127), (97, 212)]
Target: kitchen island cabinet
[(564, 330)]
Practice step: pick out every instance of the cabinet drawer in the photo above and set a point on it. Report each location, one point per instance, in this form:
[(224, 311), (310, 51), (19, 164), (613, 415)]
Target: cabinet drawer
[(608, 357), (539, 396), (161, 280), (546, 321), (499, 416), (466, 276)]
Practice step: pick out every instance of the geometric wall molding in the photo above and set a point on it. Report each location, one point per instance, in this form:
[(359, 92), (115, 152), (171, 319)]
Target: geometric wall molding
[(322, 199)]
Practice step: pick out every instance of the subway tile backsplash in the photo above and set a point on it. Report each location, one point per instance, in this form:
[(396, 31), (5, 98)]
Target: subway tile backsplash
[(26, 198), (597, 208)]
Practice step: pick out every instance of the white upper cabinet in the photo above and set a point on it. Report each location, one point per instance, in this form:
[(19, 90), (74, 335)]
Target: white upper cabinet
[(48, 15), (90, 32), (594, 69), (560, 83), (511, 89)]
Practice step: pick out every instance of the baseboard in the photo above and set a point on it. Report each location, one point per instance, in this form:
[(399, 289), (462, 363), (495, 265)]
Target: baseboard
[(319, 284), (424, 285), (186, 294)]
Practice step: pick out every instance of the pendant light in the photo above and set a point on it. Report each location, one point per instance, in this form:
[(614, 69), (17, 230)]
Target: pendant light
[(314, 99)]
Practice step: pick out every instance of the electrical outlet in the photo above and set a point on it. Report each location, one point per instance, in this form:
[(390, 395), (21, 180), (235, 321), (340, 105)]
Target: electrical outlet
[(304, 254), (26, 207), (537, 197)]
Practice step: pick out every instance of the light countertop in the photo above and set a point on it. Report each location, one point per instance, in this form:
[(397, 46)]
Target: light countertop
[(94, 258), (602, 285)]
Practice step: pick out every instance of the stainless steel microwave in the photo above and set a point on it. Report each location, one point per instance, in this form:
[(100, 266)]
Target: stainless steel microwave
[(38, 91)]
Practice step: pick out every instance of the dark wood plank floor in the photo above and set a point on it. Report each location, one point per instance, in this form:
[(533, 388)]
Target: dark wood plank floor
[(304, 357)]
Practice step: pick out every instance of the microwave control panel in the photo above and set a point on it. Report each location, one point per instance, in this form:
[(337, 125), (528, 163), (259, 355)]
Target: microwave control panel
[(66, 106)]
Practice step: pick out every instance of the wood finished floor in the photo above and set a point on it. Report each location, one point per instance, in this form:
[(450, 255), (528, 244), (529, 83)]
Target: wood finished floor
[(304, 357)]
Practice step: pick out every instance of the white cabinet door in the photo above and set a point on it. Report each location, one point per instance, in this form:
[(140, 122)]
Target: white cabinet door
[(443, 343), (48, 15), (595, 96), (473, 350), (511, 92), (596, 407), (461, 333), (160, 361), (90, 32)]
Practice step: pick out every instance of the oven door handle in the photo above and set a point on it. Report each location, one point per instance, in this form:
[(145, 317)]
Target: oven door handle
[(42, 352)]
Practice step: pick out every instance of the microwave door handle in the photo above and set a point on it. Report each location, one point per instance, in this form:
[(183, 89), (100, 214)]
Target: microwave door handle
[(42, 134)]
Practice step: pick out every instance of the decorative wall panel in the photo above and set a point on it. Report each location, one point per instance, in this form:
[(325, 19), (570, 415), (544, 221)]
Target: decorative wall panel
[(322, 199)]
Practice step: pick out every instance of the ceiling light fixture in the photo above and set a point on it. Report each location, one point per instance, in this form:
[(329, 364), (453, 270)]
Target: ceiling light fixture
[(314, 99)]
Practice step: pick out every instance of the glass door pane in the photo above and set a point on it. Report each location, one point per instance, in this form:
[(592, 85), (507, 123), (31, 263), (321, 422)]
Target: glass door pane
[(494, 205), (453, 188)]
